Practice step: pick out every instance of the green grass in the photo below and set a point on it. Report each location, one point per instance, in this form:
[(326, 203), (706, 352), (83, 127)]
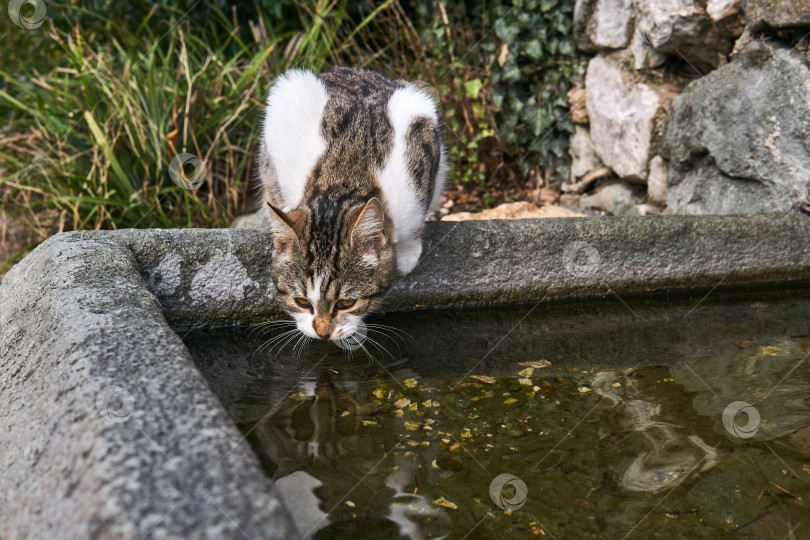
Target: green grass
[(89, 139), (92, 138)]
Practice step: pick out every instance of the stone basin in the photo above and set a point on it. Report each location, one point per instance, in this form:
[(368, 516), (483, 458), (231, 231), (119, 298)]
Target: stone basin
[(109, 429)]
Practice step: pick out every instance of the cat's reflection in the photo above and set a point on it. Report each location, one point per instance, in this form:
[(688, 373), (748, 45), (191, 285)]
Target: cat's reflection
[(321, 427), (335, 455)]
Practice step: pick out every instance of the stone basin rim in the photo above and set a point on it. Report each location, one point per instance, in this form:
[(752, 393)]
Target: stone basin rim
[(486, 263)]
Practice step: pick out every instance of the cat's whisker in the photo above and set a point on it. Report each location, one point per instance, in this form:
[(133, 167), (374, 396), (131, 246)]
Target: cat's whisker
[(304, 345), (283, 333), (394, 329), (263, 345), (268, 333), (292, 340), (297, 344), (348, 352), (275, 339), (370, 357), (265, 331), (392, 338), (261, 349), (294, 350), (380, 347), (300, 346), (271, 324), (264, 324), (278, 347), (390, 332), (263, 327), (368, 354), (284, 344)]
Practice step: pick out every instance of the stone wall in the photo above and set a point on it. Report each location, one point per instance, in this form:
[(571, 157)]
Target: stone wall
[(691, 106)]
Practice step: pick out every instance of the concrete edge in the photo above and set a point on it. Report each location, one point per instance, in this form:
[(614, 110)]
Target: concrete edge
[(218, 276), (109, 430)]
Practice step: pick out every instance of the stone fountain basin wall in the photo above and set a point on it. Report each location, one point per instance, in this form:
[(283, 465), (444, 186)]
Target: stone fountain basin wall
[(109, 430)]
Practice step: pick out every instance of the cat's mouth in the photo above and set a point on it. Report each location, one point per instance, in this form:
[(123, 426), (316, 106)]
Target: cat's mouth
[(343, 332), (349, 332)]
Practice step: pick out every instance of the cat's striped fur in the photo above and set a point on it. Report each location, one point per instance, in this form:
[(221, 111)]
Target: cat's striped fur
[(351, 163)]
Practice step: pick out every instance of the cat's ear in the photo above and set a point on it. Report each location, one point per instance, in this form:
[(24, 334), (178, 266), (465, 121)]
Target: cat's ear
[(283, 228), (369, 227)]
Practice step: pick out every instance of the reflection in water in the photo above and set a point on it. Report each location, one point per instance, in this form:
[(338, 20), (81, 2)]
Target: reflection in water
[(669, 455), (316, 438), (768, 374), (606, 446)]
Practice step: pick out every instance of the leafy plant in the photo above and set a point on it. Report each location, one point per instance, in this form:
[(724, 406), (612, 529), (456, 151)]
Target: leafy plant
[(535, 59), (523, 55), (469, 128)]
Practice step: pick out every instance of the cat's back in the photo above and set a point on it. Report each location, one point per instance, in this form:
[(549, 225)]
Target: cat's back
[(355, 123), (361, 87), (358, 127)]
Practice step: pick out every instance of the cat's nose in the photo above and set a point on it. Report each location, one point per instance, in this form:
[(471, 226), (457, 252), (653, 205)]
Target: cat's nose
[(322, 334), (321, 328)]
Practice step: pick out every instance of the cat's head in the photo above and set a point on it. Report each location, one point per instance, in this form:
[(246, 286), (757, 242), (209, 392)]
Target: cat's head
[(332, 266)]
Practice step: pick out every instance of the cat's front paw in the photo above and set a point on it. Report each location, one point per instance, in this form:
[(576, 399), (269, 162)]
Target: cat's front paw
[(408, 253)]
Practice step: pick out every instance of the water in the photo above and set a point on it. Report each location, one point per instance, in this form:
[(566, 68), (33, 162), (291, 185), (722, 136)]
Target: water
[(621, 435)]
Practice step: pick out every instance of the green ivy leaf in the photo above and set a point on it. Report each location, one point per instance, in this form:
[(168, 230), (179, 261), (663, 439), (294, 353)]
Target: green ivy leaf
[(533, 49), (512, 75), (542, 58), (567, 48), (473, 88), (505, 32), (547, 5)]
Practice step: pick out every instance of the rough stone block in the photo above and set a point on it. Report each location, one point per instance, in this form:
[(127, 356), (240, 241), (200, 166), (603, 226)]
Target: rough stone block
[(738, 140), (625, 115)]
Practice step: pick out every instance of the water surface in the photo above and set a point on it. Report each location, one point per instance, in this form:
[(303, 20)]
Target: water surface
[(610, 413)]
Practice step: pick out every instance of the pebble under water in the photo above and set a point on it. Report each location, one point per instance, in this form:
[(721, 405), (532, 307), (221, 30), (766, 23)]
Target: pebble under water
[(611, 419)]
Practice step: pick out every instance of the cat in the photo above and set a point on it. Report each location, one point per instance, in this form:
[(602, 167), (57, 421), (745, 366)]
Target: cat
[(316, 446), (351, 164)]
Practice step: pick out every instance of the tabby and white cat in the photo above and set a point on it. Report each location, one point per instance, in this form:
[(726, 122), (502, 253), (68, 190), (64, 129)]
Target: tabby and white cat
[(351, 164)]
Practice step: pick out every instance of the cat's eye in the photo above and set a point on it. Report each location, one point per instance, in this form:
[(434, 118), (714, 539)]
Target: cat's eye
[(345, 304), (303, 302)]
